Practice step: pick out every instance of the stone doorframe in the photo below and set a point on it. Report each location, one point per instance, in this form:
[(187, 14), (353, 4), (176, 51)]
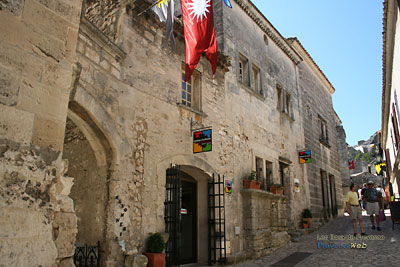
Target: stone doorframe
[(202, 172)]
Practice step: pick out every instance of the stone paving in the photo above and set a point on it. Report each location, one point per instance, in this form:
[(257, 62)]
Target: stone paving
[(383, 251)]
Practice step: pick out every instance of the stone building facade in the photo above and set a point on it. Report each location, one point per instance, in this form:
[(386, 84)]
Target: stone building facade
[(390, 93), (95, 130), (320, 134)]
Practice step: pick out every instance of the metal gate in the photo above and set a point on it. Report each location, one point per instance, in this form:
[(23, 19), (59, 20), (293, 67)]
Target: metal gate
[(172, 215), (216, 221), (87, 256)]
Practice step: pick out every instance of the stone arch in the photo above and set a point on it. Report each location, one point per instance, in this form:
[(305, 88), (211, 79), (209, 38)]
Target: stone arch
[(200, 172), (184, 160), (90, 157)]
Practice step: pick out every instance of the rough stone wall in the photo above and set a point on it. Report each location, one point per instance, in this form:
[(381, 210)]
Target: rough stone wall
[(344, 164), (266, 223), (127, 93), (37, 50), (270, 134), (317, 101), (104, 14)]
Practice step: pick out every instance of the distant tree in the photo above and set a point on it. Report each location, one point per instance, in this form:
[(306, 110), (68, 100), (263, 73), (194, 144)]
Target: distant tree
[(366, 157)]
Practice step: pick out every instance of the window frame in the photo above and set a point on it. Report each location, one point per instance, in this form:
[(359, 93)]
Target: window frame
[(195, 91), (256, 79), (244, 72), (323, 131)]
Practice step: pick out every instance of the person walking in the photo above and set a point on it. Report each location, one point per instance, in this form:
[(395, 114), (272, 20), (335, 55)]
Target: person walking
[(360, 196), (371, 198), (353, 209), (381, 196)]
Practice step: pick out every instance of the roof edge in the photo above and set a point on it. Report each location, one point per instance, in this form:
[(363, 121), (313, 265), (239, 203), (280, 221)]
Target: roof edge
[(307, 57), (264, 24)]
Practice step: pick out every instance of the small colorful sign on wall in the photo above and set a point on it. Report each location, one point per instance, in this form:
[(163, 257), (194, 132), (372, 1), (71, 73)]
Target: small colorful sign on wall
[(305, 156), (202, 141), (228, 186)]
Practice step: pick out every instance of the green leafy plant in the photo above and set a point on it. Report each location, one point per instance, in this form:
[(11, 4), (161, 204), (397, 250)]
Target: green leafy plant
[(155, 243), (366, 157), (252, 176), (307, 213)]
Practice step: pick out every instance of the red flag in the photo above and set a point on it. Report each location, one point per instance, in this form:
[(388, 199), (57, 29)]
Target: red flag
[(351, 165), (198, 25)]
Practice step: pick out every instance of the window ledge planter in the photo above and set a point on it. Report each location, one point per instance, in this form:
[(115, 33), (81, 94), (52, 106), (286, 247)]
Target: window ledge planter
[(276, 189), (251, 184)]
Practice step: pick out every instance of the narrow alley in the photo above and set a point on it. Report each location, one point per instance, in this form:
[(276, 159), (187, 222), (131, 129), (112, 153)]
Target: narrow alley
[(382, 247)]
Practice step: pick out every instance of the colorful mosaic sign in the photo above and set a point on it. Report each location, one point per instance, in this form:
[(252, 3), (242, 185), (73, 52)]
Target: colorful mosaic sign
[(305, 156), (228, 186), (202, 141)]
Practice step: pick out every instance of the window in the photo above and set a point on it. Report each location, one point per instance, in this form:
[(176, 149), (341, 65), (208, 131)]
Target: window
[(268, 172), (323, 135), (244, 70), (284, 101), (280, 98), (283, 169), (288, 104), (191, 90), (259, 169), (256, 86)]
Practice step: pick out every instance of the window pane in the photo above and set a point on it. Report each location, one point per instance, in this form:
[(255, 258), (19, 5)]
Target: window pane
[(184, 102), (183, 94), (184, 86), (183, 76), (189, 88), (189, 97)]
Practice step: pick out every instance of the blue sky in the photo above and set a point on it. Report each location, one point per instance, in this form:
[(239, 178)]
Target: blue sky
[(344, 37)]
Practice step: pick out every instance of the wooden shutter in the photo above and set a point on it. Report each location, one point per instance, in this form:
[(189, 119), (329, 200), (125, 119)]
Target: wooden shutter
[(395, 126), (388, 165)]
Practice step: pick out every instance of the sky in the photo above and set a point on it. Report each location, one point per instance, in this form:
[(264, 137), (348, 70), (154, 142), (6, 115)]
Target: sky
[(344, 37)]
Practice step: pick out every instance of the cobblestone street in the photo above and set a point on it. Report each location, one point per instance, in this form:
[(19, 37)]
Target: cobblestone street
[(377, 252)]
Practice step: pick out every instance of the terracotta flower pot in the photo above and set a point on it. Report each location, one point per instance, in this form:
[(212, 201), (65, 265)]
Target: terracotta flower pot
[(307, 221), (251, 184), (155, 259), (276, 190)]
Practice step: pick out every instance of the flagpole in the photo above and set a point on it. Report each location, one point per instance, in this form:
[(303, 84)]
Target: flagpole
[(147, 9)]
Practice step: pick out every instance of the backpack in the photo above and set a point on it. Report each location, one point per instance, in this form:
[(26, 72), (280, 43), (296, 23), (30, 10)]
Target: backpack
[(372, 195)]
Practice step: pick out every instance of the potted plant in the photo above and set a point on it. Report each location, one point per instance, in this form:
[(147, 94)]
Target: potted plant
[(251, 182), (276, 189), (307, 218), (155, 246)]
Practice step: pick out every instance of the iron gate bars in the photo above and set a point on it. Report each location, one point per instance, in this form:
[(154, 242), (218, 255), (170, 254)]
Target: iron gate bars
[(87, 256), (216, 221), (172, 215)]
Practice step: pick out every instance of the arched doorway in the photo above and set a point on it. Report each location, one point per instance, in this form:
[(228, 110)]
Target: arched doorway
[(89, 166), (188, 221)]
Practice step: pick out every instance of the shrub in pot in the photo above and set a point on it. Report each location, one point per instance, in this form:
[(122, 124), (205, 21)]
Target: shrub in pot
[(307, 218), (251, 182), (155, 246)]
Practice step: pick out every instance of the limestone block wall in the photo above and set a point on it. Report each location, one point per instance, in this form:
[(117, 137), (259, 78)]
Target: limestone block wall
[(37, 50), (316, 105), (139, 95), (266, 222), (272, 135)]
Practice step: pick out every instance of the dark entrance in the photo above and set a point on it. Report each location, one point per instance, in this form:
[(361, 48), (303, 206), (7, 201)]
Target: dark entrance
[(180, 217), (193, 208), (188, 249)]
